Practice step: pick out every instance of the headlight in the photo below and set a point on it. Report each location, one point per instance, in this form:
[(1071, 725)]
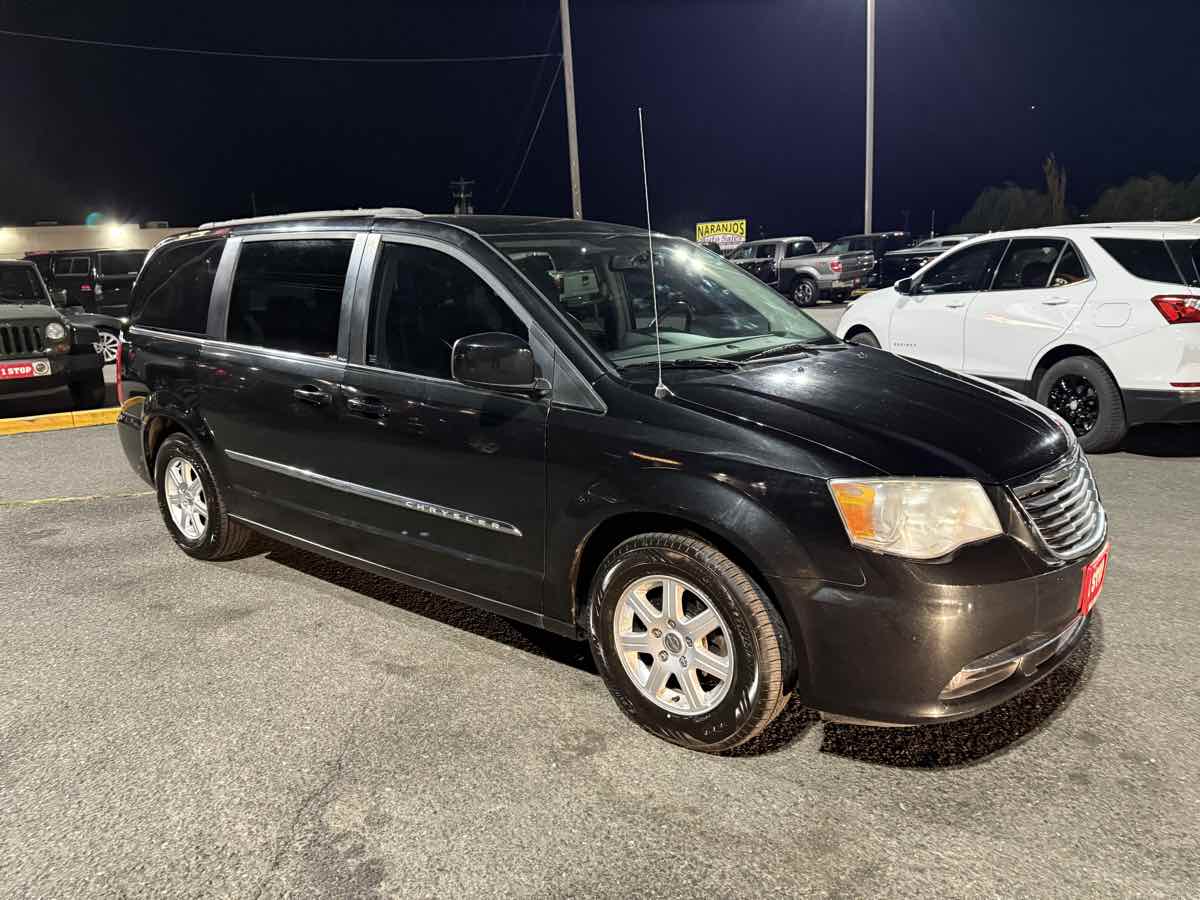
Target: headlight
[(55, 332), (918, 519)]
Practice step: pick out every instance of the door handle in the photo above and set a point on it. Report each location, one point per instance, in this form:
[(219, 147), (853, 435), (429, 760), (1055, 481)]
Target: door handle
[(310, 394), (955, 305), (370, 407), (1055, 301)]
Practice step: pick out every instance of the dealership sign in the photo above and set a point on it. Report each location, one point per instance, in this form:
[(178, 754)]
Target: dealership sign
[(727, 234)]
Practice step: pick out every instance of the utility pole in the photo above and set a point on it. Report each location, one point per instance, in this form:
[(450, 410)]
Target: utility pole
[(462, 191), (870, 172), (572, 136), (932, 217)]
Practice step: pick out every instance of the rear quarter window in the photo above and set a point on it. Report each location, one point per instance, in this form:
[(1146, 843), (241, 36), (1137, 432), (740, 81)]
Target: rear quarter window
[(174, 290), (1148, 259)]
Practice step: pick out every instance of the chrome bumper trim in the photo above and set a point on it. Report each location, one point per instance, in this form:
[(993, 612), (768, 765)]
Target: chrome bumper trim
[(1024, 656)]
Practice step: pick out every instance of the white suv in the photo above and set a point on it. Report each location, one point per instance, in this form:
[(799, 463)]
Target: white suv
[(1101, 323)]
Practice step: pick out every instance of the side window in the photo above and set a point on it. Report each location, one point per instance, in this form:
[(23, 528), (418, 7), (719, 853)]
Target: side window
[(765, 251), (1069, 269), (801, 248), (968, 269), (73, 265), (422, 301), (743, 252), (174, 291), (1027, 264), (1146, 259), (287, 295), (1187, 257), (860, 243)]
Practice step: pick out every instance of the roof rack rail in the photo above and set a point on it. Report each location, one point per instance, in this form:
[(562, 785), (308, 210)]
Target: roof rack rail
[(393, 212)]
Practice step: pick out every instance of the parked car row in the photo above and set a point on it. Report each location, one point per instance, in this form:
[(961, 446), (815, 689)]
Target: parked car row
[(795, 268), (1101, 323)]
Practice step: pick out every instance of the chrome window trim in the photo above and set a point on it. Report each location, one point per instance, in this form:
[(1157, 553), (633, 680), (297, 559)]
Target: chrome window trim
[(208, 343), (487, 523)]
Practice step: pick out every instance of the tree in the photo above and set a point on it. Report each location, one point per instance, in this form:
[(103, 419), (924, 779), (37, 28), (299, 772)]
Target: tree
[(1056, 189), (1148, 198), (1004, 208)]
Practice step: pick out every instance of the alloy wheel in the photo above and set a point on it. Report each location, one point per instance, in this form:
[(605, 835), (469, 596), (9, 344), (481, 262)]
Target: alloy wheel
[(107, 346), (674, 645), (804, 293), (1075, 399), (184, 492)]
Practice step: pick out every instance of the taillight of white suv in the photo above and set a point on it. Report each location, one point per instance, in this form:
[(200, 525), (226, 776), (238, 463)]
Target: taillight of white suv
[(1178, 309)]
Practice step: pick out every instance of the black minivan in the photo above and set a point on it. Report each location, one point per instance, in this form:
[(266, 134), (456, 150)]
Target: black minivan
[(473, 405)]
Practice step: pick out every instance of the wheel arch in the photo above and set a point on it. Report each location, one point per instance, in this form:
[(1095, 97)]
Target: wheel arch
[(1057, 354), (159, 423)]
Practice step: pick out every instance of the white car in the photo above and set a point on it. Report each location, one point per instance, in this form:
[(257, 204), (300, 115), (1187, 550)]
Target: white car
[(1101, 323)]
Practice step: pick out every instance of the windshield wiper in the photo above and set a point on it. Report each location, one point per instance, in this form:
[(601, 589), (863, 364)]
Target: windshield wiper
[(784, 349), (697, 362)]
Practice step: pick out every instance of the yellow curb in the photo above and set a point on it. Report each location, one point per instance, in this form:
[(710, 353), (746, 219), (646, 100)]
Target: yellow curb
[(57, 421)]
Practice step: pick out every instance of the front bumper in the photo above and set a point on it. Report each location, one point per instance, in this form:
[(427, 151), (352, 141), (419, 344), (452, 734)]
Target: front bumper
[(887, 651), (1176, 406), (65, 369)]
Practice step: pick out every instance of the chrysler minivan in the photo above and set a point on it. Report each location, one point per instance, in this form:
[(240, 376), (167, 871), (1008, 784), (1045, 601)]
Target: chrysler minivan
[(638, 446)]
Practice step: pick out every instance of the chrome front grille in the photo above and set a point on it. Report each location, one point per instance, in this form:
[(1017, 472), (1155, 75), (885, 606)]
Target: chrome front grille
[(20, 340), (1064, 509)]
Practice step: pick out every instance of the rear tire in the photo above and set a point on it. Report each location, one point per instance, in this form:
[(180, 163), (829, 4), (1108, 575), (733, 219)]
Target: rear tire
[(805, 292), (707, 671), (1084, 393), (191, 504), (864, 338)]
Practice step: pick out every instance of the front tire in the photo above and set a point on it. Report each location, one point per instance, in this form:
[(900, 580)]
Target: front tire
[(1084, 393), (191, 504), (688, 645), (805, 292)]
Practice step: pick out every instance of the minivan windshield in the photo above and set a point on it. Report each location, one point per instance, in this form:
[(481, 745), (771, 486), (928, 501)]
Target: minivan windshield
[(708, 308), (20, 284)]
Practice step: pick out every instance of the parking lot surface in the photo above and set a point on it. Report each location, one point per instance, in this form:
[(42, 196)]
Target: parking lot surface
[(281, 724)]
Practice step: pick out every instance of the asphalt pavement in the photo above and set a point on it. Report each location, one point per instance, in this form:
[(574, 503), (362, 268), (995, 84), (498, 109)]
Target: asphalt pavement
[(282, 725)]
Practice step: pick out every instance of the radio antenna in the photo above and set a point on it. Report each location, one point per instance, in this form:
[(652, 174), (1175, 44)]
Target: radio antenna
[(660, 390)]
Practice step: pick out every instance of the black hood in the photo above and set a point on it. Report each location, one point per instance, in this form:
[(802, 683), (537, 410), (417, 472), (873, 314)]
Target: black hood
[(28, 312), (899, 416)]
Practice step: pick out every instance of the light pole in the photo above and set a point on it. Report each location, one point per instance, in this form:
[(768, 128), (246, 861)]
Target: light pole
[(569, 81), (870, 171)]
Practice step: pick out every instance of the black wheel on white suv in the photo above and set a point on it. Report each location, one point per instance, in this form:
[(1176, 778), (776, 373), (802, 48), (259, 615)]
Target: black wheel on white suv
[(689, 646), (805, 292), (191, 504), (1084, 393)]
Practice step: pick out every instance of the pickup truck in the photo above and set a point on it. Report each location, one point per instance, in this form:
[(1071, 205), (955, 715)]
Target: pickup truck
[(795, 268)]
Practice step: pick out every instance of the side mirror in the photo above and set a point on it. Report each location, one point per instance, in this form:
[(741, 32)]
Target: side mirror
[(904, 286), (497, 360)]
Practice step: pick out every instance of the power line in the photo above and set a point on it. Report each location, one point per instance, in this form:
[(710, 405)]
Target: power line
[(532, 137), (279, 57)]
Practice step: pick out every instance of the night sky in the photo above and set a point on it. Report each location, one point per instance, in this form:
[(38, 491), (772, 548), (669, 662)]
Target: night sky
[(754, 108)]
